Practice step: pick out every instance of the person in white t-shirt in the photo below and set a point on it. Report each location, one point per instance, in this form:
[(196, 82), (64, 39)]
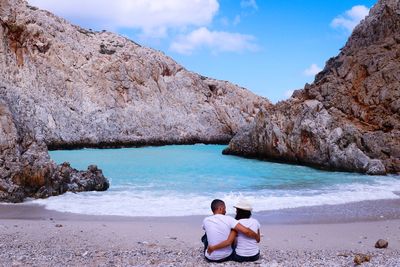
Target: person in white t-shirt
[(218, 228), (246, 248)]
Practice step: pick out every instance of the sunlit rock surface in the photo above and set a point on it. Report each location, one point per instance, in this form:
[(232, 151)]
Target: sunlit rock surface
[(349, 118), (64, 86)]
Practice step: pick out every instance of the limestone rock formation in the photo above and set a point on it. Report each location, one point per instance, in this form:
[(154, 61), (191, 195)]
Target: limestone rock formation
[(27, 171), (349, 118), (75, 87), (64, 86)]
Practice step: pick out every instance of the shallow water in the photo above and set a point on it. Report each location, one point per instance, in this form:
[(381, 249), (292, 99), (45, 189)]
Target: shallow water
[(182, 180)]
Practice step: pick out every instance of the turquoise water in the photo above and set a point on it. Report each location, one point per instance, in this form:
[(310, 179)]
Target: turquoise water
[(182, 180)]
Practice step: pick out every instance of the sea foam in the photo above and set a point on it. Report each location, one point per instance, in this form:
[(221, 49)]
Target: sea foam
[(133, 202)]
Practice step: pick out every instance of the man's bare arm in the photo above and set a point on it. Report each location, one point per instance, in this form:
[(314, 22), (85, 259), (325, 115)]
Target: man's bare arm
[(223, 244), (247, 231)]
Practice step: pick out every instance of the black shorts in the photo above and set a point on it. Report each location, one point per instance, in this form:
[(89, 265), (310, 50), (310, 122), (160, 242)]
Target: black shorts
[(239, 258), (229, 258)]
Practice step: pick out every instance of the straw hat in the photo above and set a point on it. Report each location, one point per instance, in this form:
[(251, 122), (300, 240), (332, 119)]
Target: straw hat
[(243, 204)]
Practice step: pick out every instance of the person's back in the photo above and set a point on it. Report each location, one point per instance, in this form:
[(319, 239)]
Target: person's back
[(247, 247), (220, 233), (218, 227)]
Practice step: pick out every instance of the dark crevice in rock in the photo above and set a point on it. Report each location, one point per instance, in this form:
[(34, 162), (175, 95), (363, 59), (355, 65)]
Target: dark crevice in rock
[(84, 31), (133, 144), (166, 72), (43, 48), (105, 50), (32, 7), (213, 88)]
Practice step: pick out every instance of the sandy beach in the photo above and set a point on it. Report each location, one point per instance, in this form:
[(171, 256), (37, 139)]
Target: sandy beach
[(314, 236)]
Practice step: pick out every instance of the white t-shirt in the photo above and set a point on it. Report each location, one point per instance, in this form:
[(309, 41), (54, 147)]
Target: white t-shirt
[(246, 246), (217, 228)]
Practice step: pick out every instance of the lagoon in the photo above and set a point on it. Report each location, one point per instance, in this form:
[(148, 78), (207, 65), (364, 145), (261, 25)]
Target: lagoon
[(182, 180)]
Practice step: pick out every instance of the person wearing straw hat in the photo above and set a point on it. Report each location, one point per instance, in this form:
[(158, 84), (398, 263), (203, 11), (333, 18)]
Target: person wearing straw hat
[(218, 228), (246, 247)]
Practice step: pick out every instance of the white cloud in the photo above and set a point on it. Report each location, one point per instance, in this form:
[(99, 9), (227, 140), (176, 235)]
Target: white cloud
[(151, 17), (351, 18), (312, 70), (217, 41), (249, 3), (289, 93)]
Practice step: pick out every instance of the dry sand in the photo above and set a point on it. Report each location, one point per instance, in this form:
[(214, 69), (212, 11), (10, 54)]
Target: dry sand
[(33, 236)]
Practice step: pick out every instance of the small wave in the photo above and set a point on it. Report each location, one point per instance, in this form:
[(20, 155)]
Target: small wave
[(170, 203)]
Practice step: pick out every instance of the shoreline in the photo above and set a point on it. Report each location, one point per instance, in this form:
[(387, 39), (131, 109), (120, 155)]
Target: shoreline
[(363, 211), (31, 235), (285, 160), (54, 146)]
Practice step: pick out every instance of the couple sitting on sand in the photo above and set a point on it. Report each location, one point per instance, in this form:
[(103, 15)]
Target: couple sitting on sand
[(222, 230)]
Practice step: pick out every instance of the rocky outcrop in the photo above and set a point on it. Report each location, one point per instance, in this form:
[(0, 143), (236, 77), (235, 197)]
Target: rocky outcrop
[(73, 87), (64, 86), (27, 171), (349, 118)]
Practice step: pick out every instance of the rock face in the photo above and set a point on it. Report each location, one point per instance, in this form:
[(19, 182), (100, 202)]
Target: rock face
[(74, 87), (349, 118), (27, 171), (64, 86)]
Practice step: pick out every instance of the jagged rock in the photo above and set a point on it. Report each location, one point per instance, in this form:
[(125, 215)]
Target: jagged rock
[(64, 86), (27, 171), (72, 88), (381, 243), (349, 118)]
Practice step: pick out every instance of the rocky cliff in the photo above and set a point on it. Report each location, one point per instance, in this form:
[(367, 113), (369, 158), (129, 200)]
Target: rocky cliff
[(349, 118), (75, 87), (64, 86)]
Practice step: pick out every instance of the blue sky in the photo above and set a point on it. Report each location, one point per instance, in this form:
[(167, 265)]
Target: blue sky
[(271, 47)]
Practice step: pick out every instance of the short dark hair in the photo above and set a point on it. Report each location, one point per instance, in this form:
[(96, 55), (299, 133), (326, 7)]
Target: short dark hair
[(216, 203), (242, 214)]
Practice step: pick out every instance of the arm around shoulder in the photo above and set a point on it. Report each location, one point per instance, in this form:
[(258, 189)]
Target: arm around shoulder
[(246, 231), (223, 244)]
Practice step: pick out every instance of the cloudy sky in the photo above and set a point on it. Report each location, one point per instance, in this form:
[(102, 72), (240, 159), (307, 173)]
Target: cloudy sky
[(268, 46)]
